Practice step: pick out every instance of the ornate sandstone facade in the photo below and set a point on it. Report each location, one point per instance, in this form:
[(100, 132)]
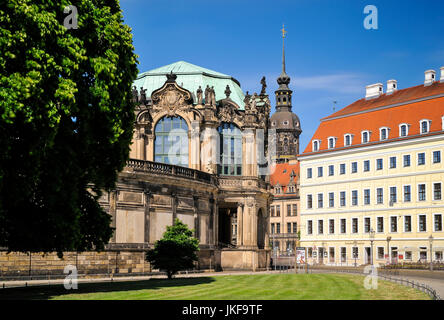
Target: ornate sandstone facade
[(195, 157)]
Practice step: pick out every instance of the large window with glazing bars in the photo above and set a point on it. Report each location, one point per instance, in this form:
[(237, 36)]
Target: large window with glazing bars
[(171, 141), (230, 150)]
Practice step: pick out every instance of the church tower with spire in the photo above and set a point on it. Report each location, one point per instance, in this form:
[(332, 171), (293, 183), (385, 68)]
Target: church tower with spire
[(284, 121)]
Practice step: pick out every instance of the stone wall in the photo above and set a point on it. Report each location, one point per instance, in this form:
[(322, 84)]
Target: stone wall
[(87, 263)]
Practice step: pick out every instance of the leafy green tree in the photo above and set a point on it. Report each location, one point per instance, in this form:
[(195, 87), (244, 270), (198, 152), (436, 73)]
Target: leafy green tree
[(176, 251), (66, 121)]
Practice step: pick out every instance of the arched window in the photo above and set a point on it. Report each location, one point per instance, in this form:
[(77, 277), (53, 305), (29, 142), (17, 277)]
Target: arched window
[(403, 130), (348, 139), (171, 142), (425, 126), (365, 136), (315, 146), (230, 150)]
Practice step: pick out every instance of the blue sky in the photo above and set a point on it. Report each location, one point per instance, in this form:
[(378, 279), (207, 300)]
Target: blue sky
[(330, 56)]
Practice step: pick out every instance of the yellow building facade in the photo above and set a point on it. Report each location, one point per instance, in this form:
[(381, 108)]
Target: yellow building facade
[(371, 181)]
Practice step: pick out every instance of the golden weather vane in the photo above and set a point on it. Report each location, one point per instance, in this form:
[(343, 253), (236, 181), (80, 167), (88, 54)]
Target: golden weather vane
[(283, 31)]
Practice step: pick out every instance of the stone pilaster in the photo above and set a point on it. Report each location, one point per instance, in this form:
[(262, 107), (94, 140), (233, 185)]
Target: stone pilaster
[(240, 218), (195, 145), (113, 212)]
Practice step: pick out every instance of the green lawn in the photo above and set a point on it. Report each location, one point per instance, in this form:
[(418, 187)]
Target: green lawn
[(242, 287)]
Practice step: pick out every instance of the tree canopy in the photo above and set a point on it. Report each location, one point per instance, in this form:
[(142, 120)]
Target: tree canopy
[(176, 251), (66, 121)]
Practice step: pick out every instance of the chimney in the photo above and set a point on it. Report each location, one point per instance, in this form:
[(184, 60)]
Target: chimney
[(442, 75), (373, 91), (430, 77), (392, 86)]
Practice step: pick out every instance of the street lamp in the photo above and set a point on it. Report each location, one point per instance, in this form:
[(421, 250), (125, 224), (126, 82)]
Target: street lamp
[(431, 254), (388, 249), (372, 238)]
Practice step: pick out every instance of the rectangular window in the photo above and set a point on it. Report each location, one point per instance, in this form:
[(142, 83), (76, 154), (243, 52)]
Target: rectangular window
[(354, 197), (343, 254), (407, 194), (320, 200), (380, 252), (278, 211), (295, 209), (331, 199), (272, 211), (310, 227), (331, 170), (342, 168), (392, 162), (295, 227), (367, 165), (309, 173), (366, 196), (422, 223), (421, 192), (342, 196), (320, 226), (406, 160), (354, 167), (343, 226), (380, 224), (408, 255), (407, 223), (288, 227), (331, 226), (320, 172), (367, 225), (355, 225), (438, 222), (436, 156), (421, 158), (278, 228), (393, 224), (393, 195), (355, 252), (379, 195), (437, 191), (288, 210), (309, 201), (272, 228), (379, 165)]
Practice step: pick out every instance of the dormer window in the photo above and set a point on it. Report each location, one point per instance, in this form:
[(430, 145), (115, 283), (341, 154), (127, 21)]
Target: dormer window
[(348, 138), (316, 145), (442, 122), (403, 130), (383, 133), (331, 142), (365, 136), (425, 125), (277, 190)]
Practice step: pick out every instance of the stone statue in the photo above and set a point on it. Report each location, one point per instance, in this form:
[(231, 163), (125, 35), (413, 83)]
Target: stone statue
[(199, 95), (227, 91), (253, 103), (135, 94), (207, 95), (264, 85), (213, 96), (142, 95)]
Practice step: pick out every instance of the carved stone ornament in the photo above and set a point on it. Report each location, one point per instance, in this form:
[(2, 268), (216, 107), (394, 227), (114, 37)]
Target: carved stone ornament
[(171, 98)]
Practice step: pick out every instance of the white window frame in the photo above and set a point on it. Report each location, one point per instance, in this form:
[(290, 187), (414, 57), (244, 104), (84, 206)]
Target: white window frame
[(383, 225), (419, 215), (411, 223), (433, 222), (313, 149), (351, 225), (363, 224), (345, 139), (309, 194), (429, 122), (396, 194), (417, 159), (417, 191), (376, 195), (362, 136), (406, 131), (363, 197), (383, 253), (340, 226), (323, 227), (403, 193), (334, 226), (311, 227), (380, 133), (334, 142), (433, 190), (323, 201), (390, 224), (442, 122)]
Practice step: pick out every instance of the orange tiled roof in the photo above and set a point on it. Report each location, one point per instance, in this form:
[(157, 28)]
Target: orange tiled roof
[(281, 175), (379, 112)]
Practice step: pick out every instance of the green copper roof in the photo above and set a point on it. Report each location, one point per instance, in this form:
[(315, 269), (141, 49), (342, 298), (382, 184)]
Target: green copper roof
[(190, 77)]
